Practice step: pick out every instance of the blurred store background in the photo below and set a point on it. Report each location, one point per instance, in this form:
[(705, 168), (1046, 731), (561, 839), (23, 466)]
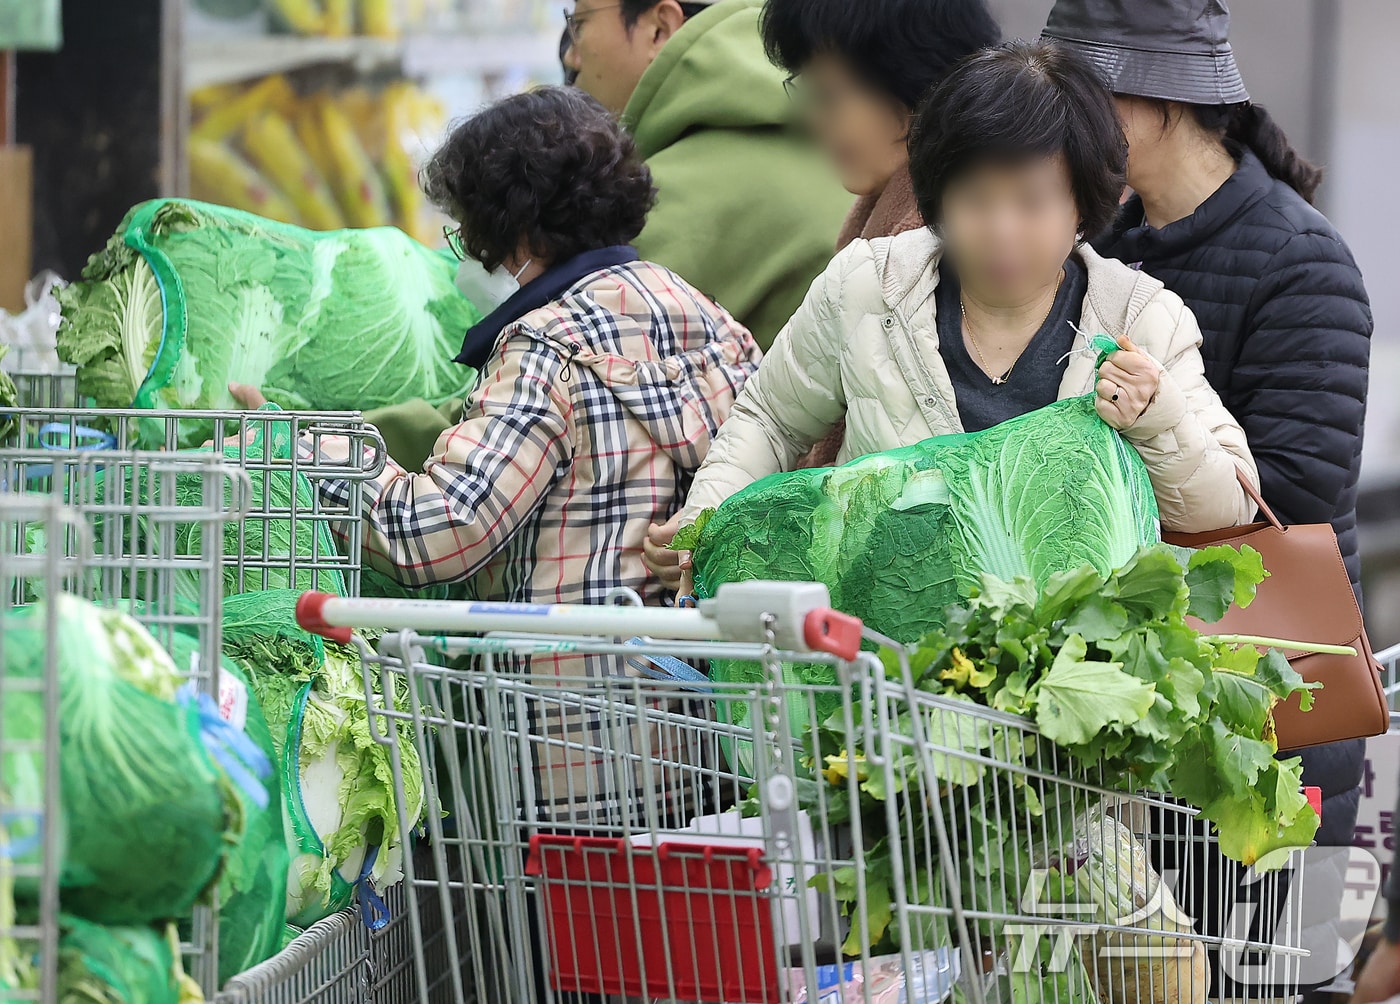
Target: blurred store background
[(319, 111)]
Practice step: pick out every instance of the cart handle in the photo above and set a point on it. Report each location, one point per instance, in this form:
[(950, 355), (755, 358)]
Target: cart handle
[(801, 618), (311, 609)]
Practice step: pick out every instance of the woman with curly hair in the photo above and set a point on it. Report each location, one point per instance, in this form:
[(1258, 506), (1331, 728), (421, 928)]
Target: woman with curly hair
[(603, 379)]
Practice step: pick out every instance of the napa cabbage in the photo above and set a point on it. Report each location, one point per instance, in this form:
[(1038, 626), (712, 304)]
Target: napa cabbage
[(188, 297), (144, 822), (898, 536), (338, 781)]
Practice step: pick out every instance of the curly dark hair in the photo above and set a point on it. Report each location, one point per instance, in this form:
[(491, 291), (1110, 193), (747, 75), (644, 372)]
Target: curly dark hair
[(550, 169), (1015, 102)]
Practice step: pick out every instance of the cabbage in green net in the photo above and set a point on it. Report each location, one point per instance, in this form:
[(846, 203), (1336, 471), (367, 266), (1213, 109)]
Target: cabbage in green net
[(253, 885), (338, 782), (115, 965), (899, 536), (267, 544), (143, 819), (187, 297)]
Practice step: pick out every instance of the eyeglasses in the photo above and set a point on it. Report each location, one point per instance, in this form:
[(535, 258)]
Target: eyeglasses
[(573, 23), (454, 242)]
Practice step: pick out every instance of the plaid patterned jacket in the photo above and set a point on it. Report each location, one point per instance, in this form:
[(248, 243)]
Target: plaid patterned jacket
[(587, 425)]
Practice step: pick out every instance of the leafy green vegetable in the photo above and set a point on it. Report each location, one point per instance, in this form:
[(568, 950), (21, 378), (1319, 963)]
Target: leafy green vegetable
[(9, 398), (1121, 689), (687, 538), (116, 965), (339, 782), (187, 297), (143, 824), (261, 551), (113, 325), (899, 536)]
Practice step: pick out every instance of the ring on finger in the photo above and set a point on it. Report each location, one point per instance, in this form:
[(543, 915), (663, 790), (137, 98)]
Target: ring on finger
[(1114, 398)]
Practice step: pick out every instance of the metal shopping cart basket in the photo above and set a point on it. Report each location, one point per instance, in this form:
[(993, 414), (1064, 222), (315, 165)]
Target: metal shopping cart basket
[(302, 525), (149, 528), (646, 834)]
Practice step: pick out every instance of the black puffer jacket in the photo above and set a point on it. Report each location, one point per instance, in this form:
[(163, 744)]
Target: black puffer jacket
[(1287, 327)]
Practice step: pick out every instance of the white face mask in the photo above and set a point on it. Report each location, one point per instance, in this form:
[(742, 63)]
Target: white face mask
[(487, 290)]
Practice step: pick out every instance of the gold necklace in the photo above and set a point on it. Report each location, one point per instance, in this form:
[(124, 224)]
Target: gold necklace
[(997, 381)]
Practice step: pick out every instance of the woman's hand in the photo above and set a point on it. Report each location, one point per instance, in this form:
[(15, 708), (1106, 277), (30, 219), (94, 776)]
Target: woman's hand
[(248, 396), (1128, 382), (673, 568)]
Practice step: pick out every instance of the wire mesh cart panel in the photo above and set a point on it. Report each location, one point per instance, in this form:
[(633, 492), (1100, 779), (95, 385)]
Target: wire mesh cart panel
[(149, 528), (20, 574), (286, 538), (651, 835)]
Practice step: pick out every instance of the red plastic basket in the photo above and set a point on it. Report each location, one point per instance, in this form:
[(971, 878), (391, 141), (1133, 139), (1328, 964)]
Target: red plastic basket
[(683, 920)]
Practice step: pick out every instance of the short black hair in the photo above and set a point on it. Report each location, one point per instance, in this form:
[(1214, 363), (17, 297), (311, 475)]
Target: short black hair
[(1019, 101), (902, 48), (632, 10), (549, 168)]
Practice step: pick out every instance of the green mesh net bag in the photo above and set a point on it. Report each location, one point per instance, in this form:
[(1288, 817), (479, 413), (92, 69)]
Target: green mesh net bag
[(143, 821), (341, 804), (187, 297), (115, 965), (275, 550), (899, 536), (253, 884)]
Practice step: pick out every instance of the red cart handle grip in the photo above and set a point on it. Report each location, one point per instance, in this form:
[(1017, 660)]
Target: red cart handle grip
[(311, 616), (833, 632)]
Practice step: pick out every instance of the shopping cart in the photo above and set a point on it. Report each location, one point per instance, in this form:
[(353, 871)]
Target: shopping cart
[(149, 528), (285, 538), (654, 835)]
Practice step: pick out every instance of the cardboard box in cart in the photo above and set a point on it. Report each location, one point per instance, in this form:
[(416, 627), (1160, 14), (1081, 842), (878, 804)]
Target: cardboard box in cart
[(16, 224)]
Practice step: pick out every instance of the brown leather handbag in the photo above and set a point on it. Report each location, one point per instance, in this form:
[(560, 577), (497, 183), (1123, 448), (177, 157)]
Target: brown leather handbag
[(1307, 598)]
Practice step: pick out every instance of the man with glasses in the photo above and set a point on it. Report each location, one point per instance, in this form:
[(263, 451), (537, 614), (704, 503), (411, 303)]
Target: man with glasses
[(747, 209)]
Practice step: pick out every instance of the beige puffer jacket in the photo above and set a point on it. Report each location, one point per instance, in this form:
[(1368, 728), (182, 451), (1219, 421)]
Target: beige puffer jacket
[(864, 345)]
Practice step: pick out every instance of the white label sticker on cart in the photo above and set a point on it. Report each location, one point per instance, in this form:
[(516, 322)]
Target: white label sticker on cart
[(509, 609), (233, 700)]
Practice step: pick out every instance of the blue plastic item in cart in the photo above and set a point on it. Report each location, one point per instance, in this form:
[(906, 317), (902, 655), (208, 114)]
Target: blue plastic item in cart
[(68, 439)]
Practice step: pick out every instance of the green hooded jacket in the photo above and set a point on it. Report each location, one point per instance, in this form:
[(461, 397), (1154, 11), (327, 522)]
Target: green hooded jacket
[(748, 210)]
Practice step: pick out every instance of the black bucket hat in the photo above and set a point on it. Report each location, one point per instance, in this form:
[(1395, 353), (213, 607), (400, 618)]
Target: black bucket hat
[(1172, 50)]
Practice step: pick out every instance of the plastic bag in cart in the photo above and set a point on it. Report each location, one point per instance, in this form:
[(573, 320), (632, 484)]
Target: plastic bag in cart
[(929, 979), (32, 334)]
